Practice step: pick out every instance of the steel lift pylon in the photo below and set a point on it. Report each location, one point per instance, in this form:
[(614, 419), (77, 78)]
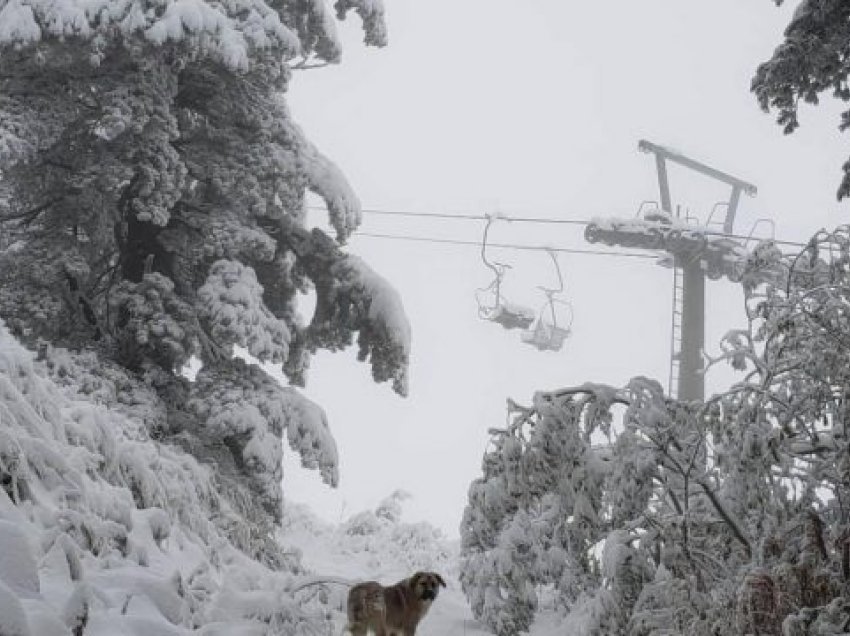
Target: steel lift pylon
[(693, 257)]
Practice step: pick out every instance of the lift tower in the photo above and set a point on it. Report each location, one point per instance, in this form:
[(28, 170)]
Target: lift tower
[(696, 252)]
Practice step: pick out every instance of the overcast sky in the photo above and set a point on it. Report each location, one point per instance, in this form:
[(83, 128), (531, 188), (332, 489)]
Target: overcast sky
[(535, 108)]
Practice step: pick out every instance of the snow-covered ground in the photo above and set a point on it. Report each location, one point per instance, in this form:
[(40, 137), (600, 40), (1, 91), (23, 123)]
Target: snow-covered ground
[(378, 545)]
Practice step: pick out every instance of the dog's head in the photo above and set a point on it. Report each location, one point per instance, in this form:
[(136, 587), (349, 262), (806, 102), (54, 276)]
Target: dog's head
[(426, 585)]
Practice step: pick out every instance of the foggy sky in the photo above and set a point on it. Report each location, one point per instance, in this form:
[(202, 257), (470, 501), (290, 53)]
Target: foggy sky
[(535, 109)]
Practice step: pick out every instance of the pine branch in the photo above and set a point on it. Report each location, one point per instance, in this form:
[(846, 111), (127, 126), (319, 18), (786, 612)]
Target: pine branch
[(30, 215), (726, 516)]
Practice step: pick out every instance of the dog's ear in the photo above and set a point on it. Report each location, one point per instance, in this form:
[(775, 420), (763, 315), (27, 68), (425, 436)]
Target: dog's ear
[(440, 579)]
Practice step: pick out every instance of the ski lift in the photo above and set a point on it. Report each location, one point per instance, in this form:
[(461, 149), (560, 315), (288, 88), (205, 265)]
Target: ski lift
[(492, 305), (549, 332)]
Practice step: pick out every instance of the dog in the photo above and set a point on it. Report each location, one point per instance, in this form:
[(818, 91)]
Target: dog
[(392, 611)]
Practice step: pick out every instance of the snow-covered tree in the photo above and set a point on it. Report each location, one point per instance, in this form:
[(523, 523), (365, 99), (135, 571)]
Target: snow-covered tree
[(105, 530), (811, 59), (643, 515), (152, 185)]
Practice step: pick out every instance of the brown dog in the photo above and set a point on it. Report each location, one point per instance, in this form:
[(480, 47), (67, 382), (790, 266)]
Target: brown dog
[(392, 611)]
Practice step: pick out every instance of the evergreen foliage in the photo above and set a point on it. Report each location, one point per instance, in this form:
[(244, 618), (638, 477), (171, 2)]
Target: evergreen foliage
[(152, 186), (812, 59)]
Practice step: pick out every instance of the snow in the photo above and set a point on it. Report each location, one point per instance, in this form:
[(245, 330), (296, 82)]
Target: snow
[(17, 565), (719, 255), (227, 32), (251, 411), (13, 619), (309, 435), (231, 300), (374, 545), (372, 14), (17, 23), (386, 308), (327, 180)]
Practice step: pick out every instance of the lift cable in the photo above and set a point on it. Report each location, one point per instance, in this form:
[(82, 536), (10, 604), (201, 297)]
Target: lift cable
[(476, 217), (514, 246), (461, 216), (525, 219)]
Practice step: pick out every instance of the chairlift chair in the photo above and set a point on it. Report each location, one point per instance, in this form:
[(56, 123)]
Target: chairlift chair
[(492, 306), (546, 335), (548, 332)]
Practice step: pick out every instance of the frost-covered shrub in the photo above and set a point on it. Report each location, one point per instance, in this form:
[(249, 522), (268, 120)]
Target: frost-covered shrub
[(537, 512), (402, 545), (107, 383)]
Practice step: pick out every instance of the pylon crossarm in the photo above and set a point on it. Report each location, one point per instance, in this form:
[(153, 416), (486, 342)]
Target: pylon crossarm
[(722, 257), (677, 157)]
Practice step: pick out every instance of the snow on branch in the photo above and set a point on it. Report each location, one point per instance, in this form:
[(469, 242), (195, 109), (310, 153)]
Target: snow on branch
[(310, 436), (565, 478), (231, 303), (327, 180), (249, 411), (351, 297), (230, 33), (372, 14)]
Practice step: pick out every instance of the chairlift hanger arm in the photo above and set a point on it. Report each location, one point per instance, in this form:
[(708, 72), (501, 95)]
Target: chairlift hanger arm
[(558, 270), (496, 270)]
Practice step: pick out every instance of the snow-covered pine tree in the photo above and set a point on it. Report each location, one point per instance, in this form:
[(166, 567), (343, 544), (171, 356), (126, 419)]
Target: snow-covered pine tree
[(641, 515), (152, 186), (811, 59)]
